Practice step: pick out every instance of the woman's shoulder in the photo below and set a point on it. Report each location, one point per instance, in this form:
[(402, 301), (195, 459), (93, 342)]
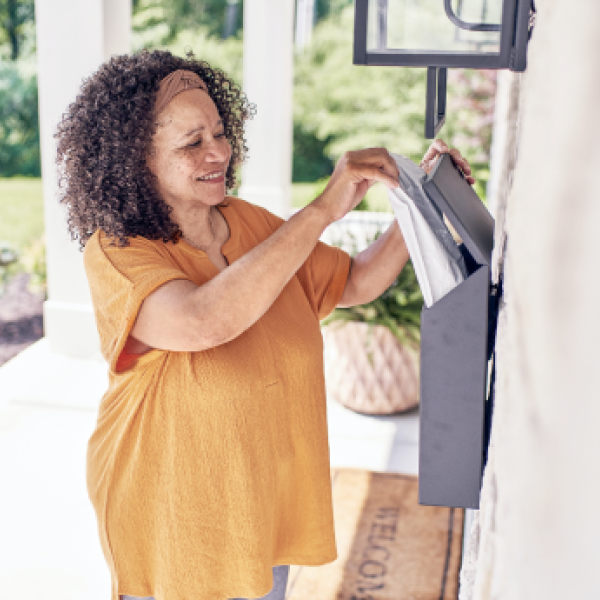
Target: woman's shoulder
[(93, 252), (103, 275), (103, 251)]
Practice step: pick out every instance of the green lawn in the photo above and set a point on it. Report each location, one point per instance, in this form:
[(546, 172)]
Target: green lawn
[(21, 210)]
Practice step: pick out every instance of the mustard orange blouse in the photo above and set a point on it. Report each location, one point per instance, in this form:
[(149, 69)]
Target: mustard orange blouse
[(208, 468)]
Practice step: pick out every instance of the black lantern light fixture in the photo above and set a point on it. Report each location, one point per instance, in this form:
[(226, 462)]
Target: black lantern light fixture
[(442, 34)]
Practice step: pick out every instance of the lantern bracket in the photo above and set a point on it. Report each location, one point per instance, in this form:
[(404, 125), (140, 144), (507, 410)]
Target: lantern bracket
[(435, 111), (456, 20)]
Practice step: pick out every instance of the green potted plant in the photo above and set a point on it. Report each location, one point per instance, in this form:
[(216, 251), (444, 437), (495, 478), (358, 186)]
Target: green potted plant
[(372, 350)]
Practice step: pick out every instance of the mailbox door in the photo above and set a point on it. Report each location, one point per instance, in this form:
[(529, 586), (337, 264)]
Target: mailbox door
[(453, 383)]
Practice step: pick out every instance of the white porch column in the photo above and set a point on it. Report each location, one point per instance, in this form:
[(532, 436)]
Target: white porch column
[(73, 38), (268, 82), (305, 20)]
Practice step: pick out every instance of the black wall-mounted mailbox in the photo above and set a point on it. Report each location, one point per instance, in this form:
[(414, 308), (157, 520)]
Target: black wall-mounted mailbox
[(454, 354)]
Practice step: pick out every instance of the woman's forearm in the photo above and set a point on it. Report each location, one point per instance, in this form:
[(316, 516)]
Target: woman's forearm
[(375, 269), (183, 317), (243, 292)]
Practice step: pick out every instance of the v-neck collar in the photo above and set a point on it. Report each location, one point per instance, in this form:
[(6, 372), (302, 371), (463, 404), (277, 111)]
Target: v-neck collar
[(231, 218)]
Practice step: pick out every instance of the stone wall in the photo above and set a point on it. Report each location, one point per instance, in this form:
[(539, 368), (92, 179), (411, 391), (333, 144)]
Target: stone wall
[(537, 532)]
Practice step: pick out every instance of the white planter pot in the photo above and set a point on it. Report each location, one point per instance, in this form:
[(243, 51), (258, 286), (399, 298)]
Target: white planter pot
[(368, 370)]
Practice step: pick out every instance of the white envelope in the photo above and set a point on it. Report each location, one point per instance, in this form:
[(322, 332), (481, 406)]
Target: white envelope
[(438, 262)]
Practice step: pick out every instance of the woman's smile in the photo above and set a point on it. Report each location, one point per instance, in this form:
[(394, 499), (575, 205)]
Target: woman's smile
[(214, 177)]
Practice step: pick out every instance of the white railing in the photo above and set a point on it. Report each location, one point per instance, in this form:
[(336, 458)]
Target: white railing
[(356, 230)]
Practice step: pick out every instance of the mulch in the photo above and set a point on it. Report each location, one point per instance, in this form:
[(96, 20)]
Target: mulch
[(21, 321)]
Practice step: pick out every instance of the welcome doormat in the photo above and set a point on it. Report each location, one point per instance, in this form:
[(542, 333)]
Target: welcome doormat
[(389, 547)]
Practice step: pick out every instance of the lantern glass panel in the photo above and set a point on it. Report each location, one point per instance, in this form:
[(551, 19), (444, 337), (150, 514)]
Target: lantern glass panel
[(399, 26)]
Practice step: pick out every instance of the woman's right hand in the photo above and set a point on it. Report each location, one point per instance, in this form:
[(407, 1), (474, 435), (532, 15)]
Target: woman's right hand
[(354, 173)]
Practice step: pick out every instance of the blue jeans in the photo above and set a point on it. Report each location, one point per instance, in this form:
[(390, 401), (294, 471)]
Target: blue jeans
[(280, 577)]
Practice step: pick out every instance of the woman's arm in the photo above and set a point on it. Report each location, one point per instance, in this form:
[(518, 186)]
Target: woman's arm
[(375, 269), (181, 316)]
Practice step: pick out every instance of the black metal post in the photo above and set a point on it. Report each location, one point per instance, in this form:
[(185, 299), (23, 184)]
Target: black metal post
[(435, 110)]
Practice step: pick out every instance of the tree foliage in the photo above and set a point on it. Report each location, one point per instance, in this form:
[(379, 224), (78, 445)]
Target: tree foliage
[(330, 8), (220, 18), (226, 55), (347, 107), (350, 107), (337, 106), (15, 18), (19, 124)]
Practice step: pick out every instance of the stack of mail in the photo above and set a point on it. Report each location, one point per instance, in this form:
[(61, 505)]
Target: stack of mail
[(438, 262)]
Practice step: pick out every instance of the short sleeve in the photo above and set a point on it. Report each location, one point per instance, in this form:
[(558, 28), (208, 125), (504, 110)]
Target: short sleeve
[(120, 279), (323, 275)]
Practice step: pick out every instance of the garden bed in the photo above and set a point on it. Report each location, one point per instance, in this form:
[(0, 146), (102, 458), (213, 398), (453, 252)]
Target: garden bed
[(21, 321)]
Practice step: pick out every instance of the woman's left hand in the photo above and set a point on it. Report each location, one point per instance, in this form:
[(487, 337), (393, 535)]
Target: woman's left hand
[(440, 147)]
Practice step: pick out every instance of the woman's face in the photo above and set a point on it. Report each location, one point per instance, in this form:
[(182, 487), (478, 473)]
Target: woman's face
[(190, 153)]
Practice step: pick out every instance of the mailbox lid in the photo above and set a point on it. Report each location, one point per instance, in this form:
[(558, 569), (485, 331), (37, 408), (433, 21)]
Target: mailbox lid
[(448, 189)]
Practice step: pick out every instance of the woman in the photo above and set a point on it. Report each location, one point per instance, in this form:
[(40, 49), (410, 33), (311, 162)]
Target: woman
[(208, 468)]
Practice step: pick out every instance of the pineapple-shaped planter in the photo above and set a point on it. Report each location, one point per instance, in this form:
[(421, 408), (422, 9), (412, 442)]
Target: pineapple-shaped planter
[(368, 370)]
